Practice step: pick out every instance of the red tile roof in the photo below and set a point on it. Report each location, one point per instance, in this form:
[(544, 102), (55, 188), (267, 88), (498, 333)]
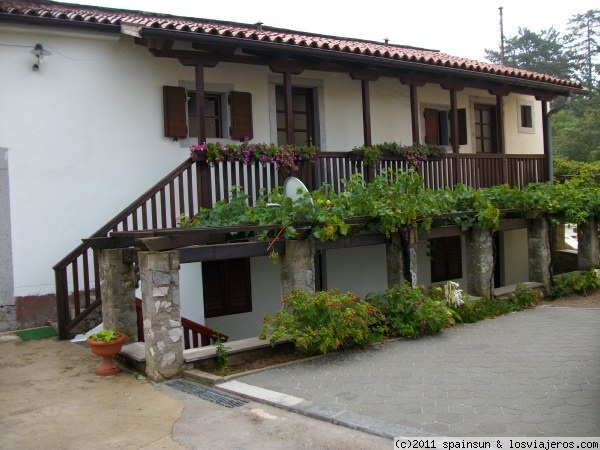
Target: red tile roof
[(108, 16)]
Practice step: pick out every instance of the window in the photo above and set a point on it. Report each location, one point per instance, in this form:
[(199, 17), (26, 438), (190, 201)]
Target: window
[(213, 115), (485, 128), (303, 114), (446, 258), (525, 117), (437, 126), (226, 287), (181, 114)]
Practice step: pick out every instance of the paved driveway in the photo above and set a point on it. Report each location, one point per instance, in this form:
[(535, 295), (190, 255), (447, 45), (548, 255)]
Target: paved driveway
[(532, 373)]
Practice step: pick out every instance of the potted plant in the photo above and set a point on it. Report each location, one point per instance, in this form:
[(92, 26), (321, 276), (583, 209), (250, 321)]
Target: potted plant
[(106, 344)]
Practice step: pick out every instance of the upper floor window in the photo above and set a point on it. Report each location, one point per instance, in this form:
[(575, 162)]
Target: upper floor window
[(525, 117), (213, 115), (225, 115)]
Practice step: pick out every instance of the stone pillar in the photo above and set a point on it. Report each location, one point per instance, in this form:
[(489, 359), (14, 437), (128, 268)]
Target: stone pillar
[(163, 333), (480, 262), (298, 266), (588, 244), (410, 240), (117, 288), (395, 260), (401, 257), (538, 242)]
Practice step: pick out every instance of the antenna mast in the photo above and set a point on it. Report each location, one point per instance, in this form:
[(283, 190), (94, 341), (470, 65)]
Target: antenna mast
[(501, 37)]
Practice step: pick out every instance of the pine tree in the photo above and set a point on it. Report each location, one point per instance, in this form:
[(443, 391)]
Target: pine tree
[(583, 42)]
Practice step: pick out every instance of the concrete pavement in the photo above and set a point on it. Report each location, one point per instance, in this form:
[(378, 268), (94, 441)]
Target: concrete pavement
[(532, 373), (51, 399)]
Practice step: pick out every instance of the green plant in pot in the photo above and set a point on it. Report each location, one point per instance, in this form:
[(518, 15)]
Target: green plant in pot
[(106, 344)]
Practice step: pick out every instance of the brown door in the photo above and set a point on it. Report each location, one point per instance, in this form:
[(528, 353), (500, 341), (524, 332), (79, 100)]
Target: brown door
[(304, 116), (485, 129)]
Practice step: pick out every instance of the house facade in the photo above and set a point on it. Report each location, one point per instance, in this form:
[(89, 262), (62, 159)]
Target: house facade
[(112, 100)]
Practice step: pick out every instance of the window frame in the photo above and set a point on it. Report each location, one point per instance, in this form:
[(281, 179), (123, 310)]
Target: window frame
[(218, 118), (522, 103)]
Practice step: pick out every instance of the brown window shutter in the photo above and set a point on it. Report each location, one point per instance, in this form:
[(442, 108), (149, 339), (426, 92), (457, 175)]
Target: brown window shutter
[(226, 287), (432, 127), (175, 112), (462, 126), (237, 286), (212, 286), (446, 259), (241, 115)]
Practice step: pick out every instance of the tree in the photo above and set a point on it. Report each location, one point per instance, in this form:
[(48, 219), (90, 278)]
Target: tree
[(583, 43), (539, 52), (576, 129)]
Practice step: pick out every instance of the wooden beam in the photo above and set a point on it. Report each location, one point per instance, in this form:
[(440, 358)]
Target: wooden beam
[(452, 85), (287, 66), (229, 251), (438, 232), (103, 243), (161, 243), (356, 240), (364, 75), (512, 224)]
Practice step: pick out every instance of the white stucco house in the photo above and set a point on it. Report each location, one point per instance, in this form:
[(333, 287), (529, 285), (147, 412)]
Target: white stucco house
[(98, 105)]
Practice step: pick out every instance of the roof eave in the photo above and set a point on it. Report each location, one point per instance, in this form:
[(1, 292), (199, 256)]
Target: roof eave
[(59, 23), (349, 58)]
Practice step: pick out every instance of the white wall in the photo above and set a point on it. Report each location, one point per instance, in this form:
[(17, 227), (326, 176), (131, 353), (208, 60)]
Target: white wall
[(266, 299), (6, 273), (360, 270), (515, 257), (517, 140)]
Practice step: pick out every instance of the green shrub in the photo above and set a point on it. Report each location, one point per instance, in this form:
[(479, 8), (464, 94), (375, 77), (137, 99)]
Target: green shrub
[(324, 321), (476, 309), (524, 297), (410, 312), (576, 283)]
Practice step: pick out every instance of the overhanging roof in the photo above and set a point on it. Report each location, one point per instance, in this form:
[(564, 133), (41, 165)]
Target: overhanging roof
[(277, 40)]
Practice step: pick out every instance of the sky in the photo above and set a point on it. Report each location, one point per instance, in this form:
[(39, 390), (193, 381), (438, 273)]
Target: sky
[(458, 27)]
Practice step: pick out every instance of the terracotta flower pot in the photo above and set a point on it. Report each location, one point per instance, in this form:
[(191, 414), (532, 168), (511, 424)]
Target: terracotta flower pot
[(106, 350)]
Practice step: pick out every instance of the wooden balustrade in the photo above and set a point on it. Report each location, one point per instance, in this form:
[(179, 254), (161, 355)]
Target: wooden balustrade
[(186, 188)]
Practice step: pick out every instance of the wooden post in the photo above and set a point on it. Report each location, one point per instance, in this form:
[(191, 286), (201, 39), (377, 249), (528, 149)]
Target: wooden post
[(500, 136), (289, 113), (204, 181), (414, 114), (454, 120), (200, 103), (366, 106)]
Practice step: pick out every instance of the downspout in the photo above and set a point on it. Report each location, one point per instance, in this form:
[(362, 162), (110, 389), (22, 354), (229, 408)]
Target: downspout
[(548, 132)]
